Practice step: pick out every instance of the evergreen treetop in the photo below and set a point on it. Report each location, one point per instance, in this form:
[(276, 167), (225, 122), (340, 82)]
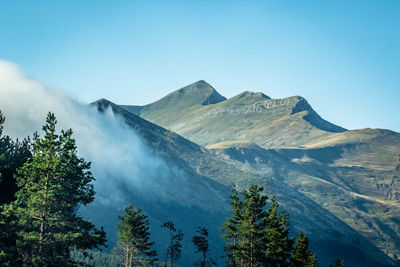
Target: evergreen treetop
[(53, 185), (134, 238), (257, 234)]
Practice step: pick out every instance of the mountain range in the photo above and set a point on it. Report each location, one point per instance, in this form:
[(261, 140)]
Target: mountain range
[(341, 187)]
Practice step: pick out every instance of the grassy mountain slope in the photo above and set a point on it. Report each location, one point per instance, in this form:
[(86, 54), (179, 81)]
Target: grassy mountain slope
[(352, 174), (247, 116), (204, 187), (364, 198)]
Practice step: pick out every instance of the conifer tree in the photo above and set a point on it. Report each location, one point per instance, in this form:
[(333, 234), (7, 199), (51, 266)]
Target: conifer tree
[(252, 226), (53, 185), (258, 235), (201, 243), (302, 257), (174, 249), (276, 237), (244, 231), (134, 238), (13, 154), (338, 263), (231, 229)]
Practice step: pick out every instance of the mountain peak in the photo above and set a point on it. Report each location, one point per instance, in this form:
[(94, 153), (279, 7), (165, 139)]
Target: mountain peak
[(201, 89), (248, 97), (197, 93), (257, 95), (102, 104), (202, 82)]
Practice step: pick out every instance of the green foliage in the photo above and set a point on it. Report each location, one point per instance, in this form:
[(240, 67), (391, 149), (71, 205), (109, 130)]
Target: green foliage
[(252, 226), (231, 229), (174, 249), (301, 255), (98, 259), (201, 243), (44, 215), (259, 236), (13, 154), (338, 263), (101, 259), (134, 236), (277, 241)]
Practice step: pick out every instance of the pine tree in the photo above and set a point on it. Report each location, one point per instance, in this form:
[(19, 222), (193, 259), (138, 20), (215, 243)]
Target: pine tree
[(302, 257), (244, 231), (201, 243), (257, 234), (338, 263), (53, 185), (134, 238), (13, 154), (276, 238), (174, 249), (252, 226), (231, 229)]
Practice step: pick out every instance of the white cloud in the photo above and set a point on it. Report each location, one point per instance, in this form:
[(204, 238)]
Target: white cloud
[(119, 157)]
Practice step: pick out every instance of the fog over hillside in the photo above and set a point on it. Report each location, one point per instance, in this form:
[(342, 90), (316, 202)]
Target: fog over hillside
[(112, 147), (329, 192)]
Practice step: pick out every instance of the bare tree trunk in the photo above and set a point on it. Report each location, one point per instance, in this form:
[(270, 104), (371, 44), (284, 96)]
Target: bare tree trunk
[(251, 251), (233, 251), (131, 258), (126, 249)]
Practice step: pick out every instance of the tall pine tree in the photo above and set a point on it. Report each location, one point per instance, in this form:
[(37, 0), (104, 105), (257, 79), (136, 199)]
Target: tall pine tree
[(174, 249), (200, 241), (231, 229), (302, 257), (134, 238), (252, 226), (53, 185), (276, 237), (13, 154), (257, 234)]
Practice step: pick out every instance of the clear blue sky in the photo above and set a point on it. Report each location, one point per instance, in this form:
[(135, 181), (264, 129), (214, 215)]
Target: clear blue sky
[(342, 56)]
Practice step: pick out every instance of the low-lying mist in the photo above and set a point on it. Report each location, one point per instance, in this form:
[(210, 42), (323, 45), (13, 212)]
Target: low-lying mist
[(120, 159)]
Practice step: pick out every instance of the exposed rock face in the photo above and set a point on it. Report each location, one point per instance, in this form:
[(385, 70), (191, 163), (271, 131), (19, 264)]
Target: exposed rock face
[(391, 190)]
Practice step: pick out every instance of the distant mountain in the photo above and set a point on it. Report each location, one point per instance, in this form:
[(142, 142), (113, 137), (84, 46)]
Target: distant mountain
[(199, 196), (246, 117), (353, 175), (198, 93)]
